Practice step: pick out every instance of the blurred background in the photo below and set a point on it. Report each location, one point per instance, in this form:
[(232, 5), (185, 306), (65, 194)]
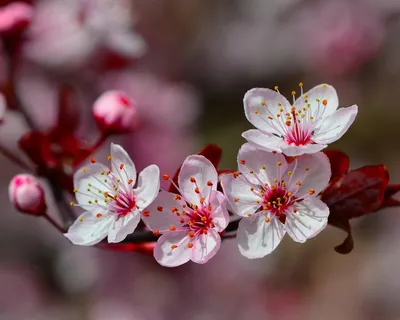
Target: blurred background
[(188, 64)]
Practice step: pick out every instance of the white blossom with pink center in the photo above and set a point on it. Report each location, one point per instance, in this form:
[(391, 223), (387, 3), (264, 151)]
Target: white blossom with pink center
[(306, 127), (113, 204), (275, 197), (189, 222)]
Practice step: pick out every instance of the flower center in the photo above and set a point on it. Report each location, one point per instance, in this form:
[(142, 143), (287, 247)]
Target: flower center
[(277, 200), (200, 220)]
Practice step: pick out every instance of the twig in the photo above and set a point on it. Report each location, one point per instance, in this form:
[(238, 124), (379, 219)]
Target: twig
[(8, 154), (54, 223)]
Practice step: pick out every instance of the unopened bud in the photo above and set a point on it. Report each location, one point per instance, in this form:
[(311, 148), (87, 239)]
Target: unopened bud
[(15, 17), (27, 194), (115, 112)]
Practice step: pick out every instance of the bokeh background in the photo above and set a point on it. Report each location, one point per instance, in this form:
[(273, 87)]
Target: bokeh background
[(188, 63)]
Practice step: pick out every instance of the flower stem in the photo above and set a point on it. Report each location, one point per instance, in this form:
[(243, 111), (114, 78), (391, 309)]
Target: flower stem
[(54, 223), (8, 154)]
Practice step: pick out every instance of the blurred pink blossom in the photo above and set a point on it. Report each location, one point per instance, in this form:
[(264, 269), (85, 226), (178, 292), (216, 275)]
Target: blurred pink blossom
[(27, 194), (67, 33), (342, 36), (115, 112), (15, 17)]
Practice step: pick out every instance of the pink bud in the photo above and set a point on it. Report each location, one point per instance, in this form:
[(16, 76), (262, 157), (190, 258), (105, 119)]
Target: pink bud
[(27, 194), (15, 17), (115, 112)]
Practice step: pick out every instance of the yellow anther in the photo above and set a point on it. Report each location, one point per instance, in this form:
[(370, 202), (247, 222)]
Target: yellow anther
[(84, 169), (263, 103), (255, 111), (293, 93), (300, 84), (324, 86), (80, 219), (109, 158), (71, 204), (276, 88)]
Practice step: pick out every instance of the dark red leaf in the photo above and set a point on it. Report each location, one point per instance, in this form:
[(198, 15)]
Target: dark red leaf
[(389, 201), (360, 192), (339, 164), (212, 152)]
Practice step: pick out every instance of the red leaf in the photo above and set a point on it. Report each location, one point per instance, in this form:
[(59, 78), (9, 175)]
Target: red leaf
[(212, 152), (339, 164), (360, 192), (389, 201)]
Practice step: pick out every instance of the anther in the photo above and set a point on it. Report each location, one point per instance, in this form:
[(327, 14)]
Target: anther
[(121, 166), (324, 86), (84, 170), (146, 213), (209, 183), (279, 163), (174, 209), (311, 192), (197, 190), (263, 167), (298, 183), (166, 177), (202, 200), (325, 102), (306, 168), (156, 232), (288, 123), (267, 220), (236, 199), (276, 88), (99, 215), (80, 219), (193, 180), (243, 161), (71, 204), (109, 158), (300, 84), (174, 246), (249, 214), (160, 208), (93, 160), (75, 190), (130, 181), (190, 245), (235, 174), (255, 111), (293, 93), (263, 103), (172, 228), (191, 234), (177, 197)]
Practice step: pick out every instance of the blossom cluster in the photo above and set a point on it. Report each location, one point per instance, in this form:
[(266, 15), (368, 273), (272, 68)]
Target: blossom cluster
[(281, 172)]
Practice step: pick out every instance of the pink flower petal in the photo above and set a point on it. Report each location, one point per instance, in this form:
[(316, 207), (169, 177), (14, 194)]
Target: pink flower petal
[(120, 157), (293, 151), (311, 171), (335, 126), (205, 246), (257, 238), (322, 92), (219, 212), (123, 226), (161, 214), (197, 172), (263, 164), (167, 254), (148, 186), (259, 103), (241, 199), (89, 228), (309, 220), (263, 141)]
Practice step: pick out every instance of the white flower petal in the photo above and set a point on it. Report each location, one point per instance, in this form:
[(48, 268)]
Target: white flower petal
[(263, 141), (309, 220), (169, 257), (257, 238), (88, 181), (123, 226), (335, 126), (312, 171), (259, 103), (159, 214), (293, 151), (325, 94), (203, 171), (263, 164), (205, 246), (89, 229), (239, 188), (148, 186), (219, 211), (121, 157)]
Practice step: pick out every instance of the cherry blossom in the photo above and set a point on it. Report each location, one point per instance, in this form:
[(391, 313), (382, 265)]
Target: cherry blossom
[(27, 194), (189, 222), (306, 127), (115, 112), (275, 197), (112, 204)]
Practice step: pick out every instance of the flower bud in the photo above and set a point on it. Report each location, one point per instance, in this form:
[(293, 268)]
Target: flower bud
[(15, 17), (27, 194), (115, 112)]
